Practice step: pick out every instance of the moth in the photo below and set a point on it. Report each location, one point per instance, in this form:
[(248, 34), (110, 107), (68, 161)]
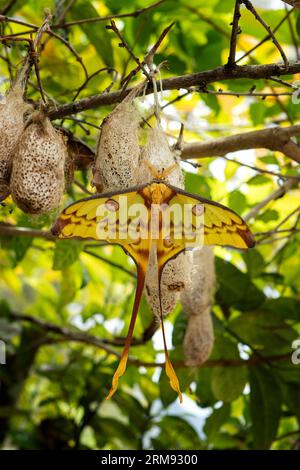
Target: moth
[(153, 218)]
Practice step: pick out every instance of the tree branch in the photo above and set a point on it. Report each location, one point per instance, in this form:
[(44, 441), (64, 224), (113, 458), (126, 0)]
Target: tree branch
[(184, 81), (7, 229), (293, 3), (79, 337), (274, 138)]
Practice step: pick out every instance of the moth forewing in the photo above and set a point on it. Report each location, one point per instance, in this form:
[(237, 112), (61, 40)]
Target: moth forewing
[(106, 215), (193, 225), (138, 222), (172, 222)]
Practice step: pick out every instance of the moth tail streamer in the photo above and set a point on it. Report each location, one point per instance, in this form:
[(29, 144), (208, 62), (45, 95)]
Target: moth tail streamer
[(124, 357), (169, 369)]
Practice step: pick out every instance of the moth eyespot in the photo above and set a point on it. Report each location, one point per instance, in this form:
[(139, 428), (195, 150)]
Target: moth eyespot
[(135, 240), (198, 209), (177, 287), (112, 205), (168, 242)]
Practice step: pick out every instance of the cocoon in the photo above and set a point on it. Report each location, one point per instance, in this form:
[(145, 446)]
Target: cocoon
[(196, 301), (118, 151), (12, 111), (37, 180)]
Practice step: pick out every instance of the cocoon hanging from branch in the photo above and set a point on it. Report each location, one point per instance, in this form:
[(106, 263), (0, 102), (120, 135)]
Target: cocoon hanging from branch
[(13, 110), (196, 301), (199, 339), (37, 181), (118, 152)]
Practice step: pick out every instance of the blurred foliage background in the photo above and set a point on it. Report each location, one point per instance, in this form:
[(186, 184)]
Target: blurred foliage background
[(55, 379)]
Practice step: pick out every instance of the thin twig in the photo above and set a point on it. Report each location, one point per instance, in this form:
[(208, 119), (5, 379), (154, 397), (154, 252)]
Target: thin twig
[(281, 82), (148, 59), (210, 21), (124, 44), (133, 14), (234, 34), (289, 184), (111, 263), (261, 170), (275, 229), (83, 188), (7, 19), (71, 49), (249, 93), (8, 7), (293, 35), (251, 8), (103, 69), (265, 39)]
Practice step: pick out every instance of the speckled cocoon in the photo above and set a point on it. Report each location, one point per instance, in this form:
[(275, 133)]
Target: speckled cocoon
[(12, 110), (37, 180), (158, 152), (118, 151), (196, 302)]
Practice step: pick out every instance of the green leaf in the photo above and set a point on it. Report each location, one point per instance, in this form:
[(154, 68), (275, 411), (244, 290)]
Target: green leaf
[(269, 159), (179, 329), (235, 287), (175, 433), (4, 309), (96, 32), (175, 64), (212, 102), (66, 253), (237, 201), (257, 112), (265, 331), (203, 390), (197, 184), (224, 7), (215, 421), (21, 245), (230, 170), (208, 56), (292, 398), (258, 180), (268, 215), (254, 261), (283, 307), (228, 382), (265, 406)]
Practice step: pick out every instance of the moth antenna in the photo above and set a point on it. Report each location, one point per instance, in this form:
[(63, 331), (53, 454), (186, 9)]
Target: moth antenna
[(124, 357), (153, 170), (170, 372), (168, 171)]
